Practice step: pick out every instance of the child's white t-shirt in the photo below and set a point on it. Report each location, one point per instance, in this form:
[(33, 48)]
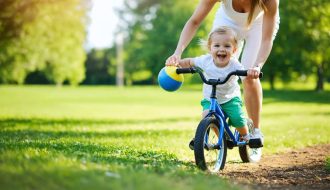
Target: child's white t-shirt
[(227, 91)]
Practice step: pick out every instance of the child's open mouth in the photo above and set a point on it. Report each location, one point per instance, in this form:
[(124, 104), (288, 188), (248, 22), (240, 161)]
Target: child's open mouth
[(221, 56)]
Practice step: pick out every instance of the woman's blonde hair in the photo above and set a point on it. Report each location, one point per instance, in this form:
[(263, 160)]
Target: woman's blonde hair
[(220, 30), (254, 4)]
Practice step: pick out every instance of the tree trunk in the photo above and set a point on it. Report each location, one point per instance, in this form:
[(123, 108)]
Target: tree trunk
[(320, 78), (120, 62), (272, 81)]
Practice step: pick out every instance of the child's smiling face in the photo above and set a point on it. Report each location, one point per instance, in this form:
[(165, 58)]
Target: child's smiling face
[(222, 48)]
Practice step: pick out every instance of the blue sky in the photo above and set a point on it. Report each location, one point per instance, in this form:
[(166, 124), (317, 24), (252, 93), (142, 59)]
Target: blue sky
[(103, 23)]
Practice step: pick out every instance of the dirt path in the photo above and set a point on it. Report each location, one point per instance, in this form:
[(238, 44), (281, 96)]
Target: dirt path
[(300, 169)]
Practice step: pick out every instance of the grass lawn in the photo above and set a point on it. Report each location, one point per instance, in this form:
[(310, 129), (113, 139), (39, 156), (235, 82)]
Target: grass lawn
[(131, 138)]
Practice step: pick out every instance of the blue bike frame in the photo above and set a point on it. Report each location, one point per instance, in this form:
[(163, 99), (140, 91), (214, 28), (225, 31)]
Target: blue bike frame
[(216, 110)]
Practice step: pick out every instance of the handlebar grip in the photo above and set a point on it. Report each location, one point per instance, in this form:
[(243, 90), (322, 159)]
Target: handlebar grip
[(241, 73), (185, 70), (244, 73)]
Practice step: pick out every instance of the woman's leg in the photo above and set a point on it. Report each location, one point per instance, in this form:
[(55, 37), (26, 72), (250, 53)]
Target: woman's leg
[(252, 89), (253, 99)]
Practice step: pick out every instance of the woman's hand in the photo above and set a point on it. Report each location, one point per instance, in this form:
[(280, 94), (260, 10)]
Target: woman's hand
[(254, 72), (173, 60)]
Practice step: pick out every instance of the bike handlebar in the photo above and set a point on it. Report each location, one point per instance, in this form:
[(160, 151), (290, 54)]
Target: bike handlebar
[(212, 81)]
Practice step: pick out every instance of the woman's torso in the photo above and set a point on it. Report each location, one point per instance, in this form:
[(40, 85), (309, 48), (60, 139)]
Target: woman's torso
[(227, 16), (240, 18)]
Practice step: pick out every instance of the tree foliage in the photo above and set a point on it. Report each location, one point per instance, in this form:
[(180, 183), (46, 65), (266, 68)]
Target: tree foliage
[(302, 44), (154, 32), (42, 35), (100, 68)]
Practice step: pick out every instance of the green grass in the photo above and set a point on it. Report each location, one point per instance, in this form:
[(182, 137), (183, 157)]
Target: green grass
[(131, 138), (327, 165)]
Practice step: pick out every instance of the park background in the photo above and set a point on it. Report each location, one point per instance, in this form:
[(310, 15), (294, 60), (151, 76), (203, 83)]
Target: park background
[(44, 42), (65, 123)]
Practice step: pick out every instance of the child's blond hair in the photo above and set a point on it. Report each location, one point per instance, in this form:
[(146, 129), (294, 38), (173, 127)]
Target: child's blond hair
[(220, 30)]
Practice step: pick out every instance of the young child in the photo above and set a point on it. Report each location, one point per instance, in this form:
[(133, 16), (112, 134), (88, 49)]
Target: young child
[(221, 44)]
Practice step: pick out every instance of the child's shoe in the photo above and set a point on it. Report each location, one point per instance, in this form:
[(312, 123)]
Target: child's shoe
[(256, 139), (257, 134)]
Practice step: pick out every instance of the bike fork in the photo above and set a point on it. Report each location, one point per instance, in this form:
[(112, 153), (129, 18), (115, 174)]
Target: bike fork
[(221, 134)]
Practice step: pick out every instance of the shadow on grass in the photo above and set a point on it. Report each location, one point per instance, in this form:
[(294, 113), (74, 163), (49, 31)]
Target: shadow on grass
[(121, 156), (270, 96), (288, 113), (53, 135), (67, 143), (9, 122), (296, 96)]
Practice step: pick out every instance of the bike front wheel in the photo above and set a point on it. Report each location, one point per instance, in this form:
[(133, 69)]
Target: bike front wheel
[(209, 153)]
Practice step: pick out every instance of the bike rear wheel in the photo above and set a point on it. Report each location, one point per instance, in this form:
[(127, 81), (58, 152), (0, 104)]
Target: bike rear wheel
[(248, 154), (209, 155)]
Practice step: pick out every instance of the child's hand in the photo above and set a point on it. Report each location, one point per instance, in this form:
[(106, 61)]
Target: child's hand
[(253, 73), (173, 60)]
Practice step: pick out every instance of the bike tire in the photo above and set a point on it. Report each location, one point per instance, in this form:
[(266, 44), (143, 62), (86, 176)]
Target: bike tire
[(244, 153), (213, 159), (248, 154)]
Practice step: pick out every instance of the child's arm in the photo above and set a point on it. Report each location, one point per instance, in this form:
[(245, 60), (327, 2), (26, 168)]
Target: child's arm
[(184, 63)]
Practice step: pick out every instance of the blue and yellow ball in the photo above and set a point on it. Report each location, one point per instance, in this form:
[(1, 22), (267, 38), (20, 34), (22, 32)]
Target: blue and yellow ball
[(169, 80)]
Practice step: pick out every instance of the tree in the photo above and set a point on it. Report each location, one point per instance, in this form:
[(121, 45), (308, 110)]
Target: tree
[(99, 67), (42, 35), (302, 45)]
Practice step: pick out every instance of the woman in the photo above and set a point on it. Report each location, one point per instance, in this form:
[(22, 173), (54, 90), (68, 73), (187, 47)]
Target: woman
[(256, 23)]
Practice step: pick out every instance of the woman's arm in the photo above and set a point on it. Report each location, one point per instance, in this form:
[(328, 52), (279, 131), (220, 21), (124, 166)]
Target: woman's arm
[(268, 27), (190, 28)]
